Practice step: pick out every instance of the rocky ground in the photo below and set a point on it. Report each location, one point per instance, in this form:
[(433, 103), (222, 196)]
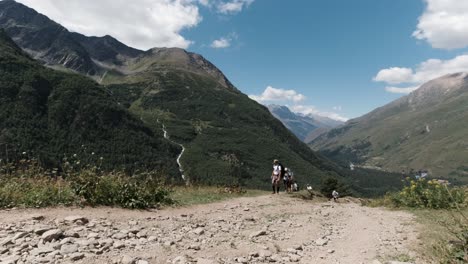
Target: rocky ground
[(271, 228)]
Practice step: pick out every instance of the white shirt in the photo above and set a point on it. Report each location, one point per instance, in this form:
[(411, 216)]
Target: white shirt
[(276, 169)]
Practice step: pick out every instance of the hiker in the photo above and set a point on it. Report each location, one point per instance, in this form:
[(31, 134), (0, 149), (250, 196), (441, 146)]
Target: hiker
[(289, 179), (335, 195), (285, 179), (295, 187), (276, 175)]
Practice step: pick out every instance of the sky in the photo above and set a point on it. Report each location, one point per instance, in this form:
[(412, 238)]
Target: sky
[(336, 58)]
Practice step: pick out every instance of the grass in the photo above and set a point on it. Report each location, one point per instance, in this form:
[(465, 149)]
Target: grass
[(442, 216), (186, 196)]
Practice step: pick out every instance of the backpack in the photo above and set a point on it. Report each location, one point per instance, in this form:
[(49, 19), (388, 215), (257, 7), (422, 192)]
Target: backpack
[(283, 171)]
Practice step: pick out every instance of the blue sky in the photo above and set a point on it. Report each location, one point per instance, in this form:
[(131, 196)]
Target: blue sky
[(338, 58)]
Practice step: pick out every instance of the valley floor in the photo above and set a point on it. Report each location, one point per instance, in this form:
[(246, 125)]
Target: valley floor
[(268, 228)]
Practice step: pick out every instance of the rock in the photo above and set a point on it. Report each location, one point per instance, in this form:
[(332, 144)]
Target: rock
[(76, 256), (37, 217), (258, 233), (294, 258), (39, 230), (68, 249), (375, 261), (20, 235), (6, 241), (331, 251), (265, 253), (180, 260), (120, 236), (53, 234), (141, 261), (3, 250), (399, 262), (205, 261), (80, 220), (321, 241), (71, 233), (93, 235), (299, 248), (199, 231), (242, 260), (10, 260), (194, 247), (42, 250), (118, 245), (68, 240), (126, 259)]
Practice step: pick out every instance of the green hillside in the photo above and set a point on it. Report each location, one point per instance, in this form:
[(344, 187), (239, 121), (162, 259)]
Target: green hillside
[(52, 115), (229, 138), (426, 130)]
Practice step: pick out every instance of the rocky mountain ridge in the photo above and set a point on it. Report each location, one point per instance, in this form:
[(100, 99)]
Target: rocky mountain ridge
[(425, 130)]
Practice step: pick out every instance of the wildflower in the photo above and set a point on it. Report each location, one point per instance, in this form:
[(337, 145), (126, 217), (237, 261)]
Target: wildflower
[(101, 158), (74, 155), (24, 153), (92, 153), (78, 162)]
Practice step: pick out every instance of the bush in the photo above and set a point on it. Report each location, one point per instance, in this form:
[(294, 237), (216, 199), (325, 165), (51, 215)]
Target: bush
[(35, 192), (427, 194), (140, 191), (329, 184), (26, 184)]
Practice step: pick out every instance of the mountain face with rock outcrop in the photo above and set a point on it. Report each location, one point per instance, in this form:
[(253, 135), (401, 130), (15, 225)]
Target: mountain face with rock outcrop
[(425, 130), (52, 116), (305, 127), (228, 138)]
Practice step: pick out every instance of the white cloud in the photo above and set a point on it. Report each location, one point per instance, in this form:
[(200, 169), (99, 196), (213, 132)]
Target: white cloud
[(283, 96), (142, 24), (221, 43), (424, 72), (233, 6), (394, 75), (204, 2), (279, 95), (312, 110), (399, 90), (444, 24)]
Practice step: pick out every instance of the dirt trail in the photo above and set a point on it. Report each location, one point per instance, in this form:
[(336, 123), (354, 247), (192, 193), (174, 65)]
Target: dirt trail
[(271, 228)]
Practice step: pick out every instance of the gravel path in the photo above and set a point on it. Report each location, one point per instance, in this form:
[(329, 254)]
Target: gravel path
[(271, 228)]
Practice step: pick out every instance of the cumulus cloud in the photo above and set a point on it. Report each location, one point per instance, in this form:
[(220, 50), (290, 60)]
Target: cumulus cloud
[(283, 96), (424, 72), (279, 95), (444, 24), (221, 43), (234, 6), (142, 24), (312, 110), (394, 75)]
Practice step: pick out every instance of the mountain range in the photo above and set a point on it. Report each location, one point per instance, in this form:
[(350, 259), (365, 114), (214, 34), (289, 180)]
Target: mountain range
[(425, 130), (228, 138), (305, 127)]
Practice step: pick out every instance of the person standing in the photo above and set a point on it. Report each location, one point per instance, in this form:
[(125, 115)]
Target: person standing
[(276, 176), (335, 195)]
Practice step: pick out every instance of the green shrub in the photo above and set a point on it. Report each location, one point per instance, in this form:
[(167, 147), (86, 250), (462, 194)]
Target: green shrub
[(39, 191), (140, 191), (26, 184), (427, 194), (329, 184)]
